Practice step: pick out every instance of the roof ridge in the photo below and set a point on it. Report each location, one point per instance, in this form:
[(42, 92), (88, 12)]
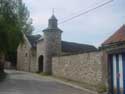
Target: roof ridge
[(78, 43), (116, 36)]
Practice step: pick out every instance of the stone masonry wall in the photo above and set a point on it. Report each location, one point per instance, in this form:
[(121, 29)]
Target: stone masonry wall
[(23, 57), (52, 40), (40, 52), (85, 68), (32, 64)]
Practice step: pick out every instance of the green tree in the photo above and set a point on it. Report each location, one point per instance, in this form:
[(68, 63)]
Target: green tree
[(14, 21), (25, 23), (24, 18)]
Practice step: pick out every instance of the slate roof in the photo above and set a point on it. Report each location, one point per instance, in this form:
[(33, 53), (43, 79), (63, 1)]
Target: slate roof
[(75, 48), (118, 36), (67, 47), (33, 39)]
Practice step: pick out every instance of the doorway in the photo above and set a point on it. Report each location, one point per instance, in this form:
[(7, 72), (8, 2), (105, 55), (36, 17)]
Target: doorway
[(117, 73), (41, 63)]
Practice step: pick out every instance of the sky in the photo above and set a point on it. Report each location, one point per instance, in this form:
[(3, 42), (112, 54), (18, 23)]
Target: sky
[(91, 28)]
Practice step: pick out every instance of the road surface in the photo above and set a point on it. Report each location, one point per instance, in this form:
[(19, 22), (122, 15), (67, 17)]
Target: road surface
[(28, 83)]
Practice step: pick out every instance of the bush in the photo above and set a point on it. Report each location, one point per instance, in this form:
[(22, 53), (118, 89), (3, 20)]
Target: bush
[(101, 88)]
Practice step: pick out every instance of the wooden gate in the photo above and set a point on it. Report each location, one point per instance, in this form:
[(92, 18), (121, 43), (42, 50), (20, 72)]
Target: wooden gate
[(117, 67)]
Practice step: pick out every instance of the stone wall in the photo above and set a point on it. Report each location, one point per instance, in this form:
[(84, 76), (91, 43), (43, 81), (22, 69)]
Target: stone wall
[(40, 52), (33, 65), (26, 57), (85, 68), (52, 40), (23, 57)]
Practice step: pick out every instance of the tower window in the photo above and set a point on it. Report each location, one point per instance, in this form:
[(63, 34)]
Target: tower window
[(26, 54)]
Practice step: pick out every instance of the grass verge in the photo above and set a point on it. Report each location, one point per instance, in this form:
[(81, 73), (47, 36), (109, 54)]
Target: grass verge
[(43, 74)]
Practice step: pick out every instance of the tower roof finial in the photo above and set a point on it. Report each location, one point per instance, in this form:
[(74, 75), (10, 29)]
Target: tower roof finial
[(53, 15), (53, 11)]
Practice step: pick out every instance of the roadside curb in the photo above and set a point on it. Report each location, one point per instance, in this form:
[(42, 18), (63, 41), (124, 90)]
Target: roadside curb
[(69, 84), (74, 85)]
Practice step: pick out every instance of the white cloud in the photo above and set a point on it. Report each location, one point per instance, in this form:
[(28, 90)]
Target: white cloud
[(92, 28)]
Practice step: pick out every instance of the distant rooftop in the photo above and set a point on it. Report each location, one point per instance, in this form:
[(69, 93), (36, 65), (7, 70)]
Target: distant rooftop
[(75, 48), (118, 36)]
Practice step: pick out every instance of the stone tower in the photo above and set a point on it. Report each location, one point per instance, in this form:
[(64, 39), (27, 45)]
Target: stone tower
[(52, 40)]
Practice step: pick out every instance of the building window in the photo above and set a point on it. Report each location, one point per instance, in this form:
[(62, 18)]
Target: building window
[(26, 54)]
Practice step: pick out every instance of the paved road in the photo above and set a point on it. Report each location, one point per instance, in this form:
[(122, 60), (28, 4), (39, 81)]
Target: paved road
[(27, 83)]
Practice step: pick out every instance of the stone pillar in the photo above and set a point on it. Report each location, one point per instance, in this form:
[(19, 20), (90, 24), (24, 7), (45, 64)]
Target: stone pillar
[(52, 40), (47, 65)]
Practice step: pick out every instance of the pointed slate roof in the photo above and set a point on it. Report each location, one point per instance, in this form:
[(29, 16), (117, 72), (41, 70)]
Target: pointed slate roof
[(33, 39), (52, 24), (118, 36), (53, 17)]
